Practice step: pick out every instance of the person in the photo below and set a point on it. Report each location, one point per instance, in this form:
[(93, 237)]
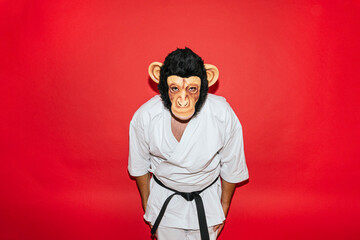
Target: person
[(186, 151)]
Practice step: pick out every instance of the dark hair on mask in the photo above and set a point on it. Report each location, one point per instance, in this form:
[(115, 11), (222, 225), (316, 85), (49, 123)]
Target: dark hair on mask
[(183, 63)]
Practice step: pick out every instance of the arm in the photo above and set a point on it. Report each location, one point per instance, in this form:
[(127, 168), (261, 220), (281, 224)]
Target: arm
[(143, 185), (227, 193), (228, 190), (139, 160), (233, 165)]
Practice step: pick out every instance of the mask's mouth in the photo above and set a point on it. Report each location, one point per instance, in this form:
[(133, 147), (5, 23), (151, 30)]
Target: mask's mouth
[(183, 115)]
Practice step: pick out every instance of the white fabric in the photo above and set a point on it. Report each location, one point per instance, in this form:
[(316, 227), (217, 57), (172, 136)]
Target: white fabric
[(211, 145), (165, 233)]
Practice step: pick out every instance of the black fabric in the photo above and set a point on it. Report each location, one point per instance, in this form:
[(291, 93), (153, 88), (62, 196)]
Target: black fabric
[(189, 196)]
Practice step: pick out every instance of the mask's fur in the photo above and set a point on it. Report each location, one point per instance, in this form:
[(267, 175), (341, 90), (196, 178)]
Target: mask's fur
[(183, 63)]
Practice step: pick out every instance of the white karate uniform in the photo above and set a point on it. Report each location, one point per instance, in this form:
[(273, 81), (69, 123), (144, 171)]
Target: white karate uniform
[(181, 234), (211, 145)]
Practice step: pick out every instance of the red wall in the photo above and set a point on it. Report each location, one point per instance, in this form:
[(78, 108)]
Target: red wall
[(73, 72)]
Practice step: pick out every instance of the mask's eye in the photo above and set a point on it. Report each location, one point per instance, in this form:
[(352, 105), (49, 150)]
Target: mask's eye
[(174, 89), (193, 89)]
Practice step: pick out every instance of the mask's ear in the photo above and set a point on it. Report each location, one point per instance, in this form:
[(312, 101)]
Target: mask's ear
[(154, 71), (212, 74)]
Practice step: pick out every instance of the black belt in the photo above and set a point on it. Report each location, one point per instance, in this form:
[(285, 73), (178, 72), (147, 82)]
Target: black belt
[(189, 196)]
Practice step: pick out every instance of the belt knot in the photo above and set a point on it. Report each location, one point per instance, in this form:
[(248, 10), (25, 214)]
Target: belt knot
[(189, 196)]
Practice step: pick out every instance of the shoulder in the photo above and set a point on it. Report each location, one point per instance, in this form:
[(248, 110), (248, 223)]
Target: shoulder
[(148, 111), (216, 105)]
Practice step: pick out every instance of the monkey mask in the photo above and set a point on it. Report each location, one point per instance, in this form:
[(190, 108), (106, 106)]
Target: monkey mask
[(183, 80)]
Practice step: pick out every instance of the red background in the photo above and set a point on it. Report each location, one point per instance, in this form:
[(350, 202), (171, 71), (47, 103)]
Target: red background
[(74, 72)]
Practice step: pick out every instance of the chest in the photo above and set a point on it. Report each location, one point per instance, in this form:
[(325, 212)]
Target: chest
[(177, 129), (200, 139), (189, 147)]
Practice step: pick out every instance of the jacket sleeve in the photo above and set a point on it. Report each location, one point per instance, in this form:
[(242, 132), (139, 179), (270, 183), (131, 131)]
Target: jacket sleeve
[(139, 156), (233, 165)]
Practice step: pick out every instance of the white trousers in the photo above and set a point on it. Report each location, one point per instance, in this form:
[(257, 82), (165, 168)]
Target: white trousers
[(166, 233)]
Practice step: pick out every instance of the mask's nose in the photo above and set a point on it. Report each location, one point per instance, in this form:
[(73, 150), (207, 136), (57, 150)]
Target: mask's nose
[(182, 100)]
